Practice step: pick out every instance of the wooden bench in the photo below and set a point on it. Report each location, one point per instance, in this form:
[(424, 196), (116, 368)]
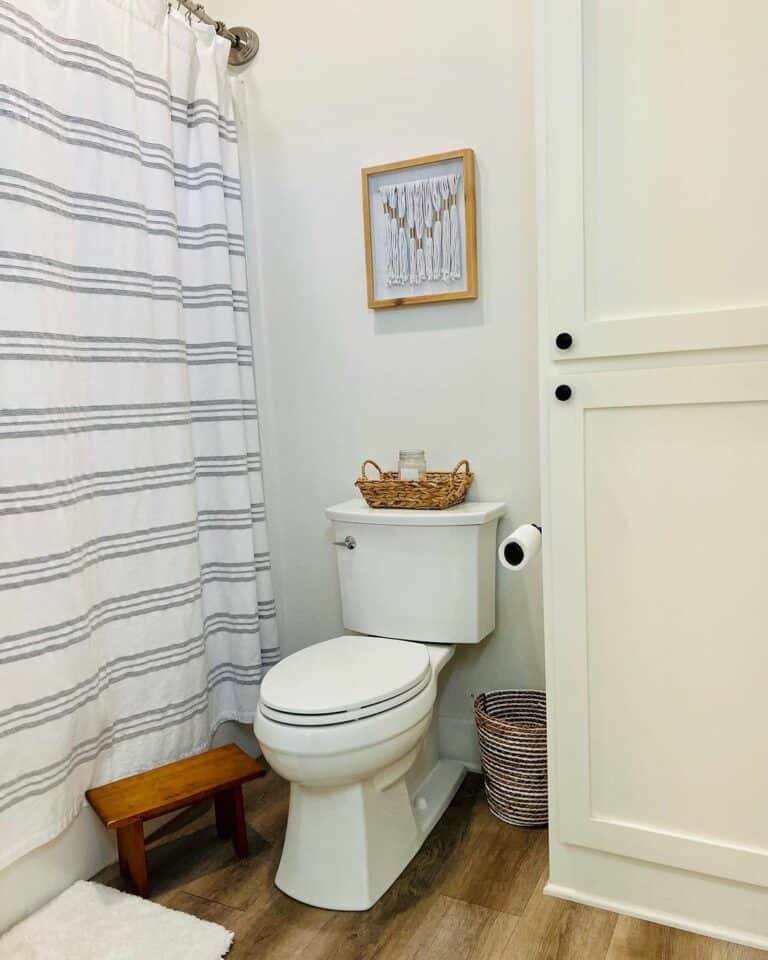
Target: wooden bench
[(125, 804)]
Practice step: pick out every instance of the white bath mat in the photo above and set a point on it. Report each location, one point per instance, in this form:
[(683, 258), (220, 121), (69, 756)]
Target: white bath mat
[(92, 922)]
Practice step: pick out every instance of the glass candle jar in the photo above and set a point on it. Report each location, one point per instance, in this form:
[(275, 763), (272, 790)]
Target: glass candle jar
[(412, 465)]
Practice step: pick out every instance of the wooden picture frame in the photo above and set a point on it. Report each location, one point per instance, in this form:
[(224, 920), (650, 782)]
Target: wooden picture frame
[(398, 289)]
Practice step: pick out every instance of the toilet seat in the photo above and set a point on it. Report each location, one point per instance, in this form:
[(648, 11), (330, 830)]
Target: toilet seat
[(344, 679)]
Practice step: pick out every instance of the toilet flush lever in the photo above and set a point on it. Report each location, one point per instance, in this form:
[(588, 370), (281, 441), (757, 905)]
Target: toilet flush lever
[(349, 542)]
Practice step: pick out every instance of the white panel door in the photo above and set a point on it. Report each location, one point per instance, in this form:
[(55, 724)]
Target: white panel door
[(654, 205), (658, 527)]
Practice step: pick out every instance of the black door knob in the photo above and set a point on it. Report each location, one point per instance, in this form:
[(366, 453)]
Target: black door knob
[(563, 341), (563, 392)]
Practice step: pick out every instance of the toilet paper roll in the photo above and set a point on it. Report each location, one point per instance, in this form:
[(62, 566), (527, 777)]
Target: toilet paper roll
[(518, 549)]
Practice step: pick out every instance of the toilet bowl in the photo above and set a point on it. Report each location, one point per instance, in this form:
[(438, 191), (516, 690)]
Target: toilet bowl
[(350, 721), (366, 788)]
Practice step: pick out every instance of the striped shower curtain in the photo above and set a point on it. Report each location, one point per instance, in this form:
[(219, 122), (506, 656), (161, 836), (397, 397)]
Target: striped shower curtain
[(136, 605)]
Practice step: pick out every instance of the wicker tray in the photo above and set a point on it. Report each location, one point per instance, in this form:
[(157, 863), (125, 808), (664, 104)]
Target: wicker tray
[(437, 491)]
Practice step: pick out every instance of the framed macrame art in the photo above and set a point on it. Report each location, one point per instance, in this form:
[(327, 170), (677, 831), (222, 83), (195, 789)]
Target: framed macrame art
[(420, 234)]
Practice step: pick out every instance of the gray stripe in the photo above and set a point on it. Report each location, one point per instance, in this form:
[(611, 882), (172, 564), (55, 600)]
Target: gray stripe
[(223, 671), (117, 358), (125, 206), (97, 128), (210, 244), (243, 525), (65, 702), (185, 177), (111, 483), (46, 639), (131, 471), (71, 288), (118, 276), (73, 627), (239, 669), (159, 408), (115, 68), (218, 628), (101, 427), (201, 106), (44, 49), (44, 779), (166, 530), (60, 643), (17, 574), (104, 344), (170, 405), (126, 659), (80, 142), (219, 623), (208, 227), (31, 261), (41, 780), (123, 412), (77, 197), (25, 417), (15, 581), (108, 57), (228, 513), (131, 720), (203, 244), (243, 619), (77, 358), (116, 281), (228, 564), (94, 342), (35, 345), (153, 415), (105, 214)]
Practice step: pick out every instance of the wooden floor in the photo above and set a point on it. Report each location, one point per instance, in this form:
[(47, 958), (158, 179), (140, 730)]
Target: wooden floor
[(474, 891)]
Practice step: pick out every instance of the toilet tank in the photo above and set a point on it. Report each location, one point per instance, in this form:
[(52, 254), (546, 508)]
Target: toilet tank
[(426, 575)]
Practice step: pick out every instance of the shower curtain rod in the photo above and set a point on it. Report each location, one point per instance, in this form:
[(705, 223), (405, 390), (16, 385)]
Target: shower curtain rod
[(245, 42)]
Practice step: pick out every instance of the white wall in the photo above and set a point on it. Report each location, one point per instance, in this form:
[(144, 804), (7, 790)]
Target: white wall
[(341, 85)]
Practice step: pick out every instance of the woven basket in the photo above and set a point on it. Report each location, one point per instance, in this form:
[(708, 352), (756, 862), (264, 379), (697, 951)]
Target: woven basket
[(437, 491), (512, 730)]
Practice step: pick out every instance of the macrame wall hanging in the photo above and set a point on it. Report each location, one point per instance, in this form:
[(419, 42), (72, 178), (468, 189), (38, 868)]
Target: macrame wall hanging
[(425, 243), (420, 230)]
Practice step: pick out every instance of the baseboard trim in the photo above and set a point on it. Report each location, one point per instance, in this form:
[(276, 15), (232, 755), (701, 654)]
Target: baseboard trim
[(658, 916)]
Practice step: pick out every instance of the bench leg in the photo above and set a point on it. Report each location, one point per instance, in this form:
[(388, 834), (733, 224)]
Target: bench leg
[(133, 855), (223, 805), (230, 819)]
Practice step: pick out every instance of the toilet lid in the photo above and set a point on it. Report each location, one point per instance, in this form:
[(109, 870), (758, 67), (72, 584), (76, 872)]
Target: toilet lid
[(343, 679)]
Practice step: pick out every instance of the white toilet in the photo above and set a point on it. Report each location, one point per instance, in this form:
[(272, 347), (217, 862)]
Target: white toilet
[(349, 722)]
